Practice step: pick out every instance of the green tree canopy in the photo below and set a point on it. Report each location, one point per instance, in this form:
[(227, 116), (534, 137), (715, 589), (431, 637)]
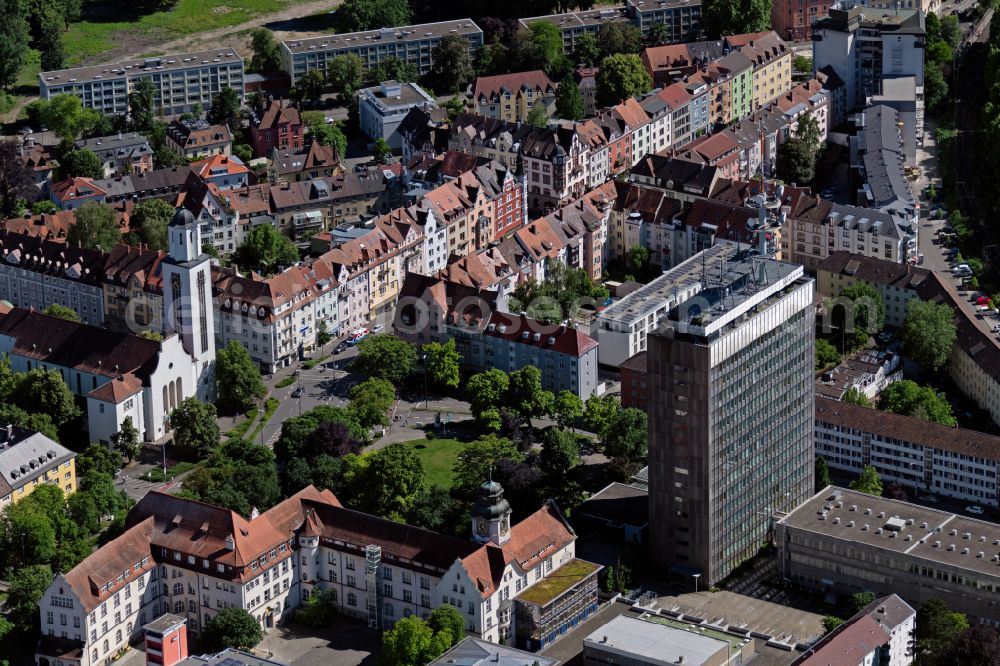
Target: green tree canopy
[(126, 440), (937, 626), (569, 103), (237, 378), (567, 408), (50, 38), (393, 478), (82, 162), (858, 313), (17, 183), (822, 475), (442, 361), (539, 46), (560, 451), (826, 354), (386, 357), (345, 74), (390, 69), (525, 394), (621, 76), (453, 68), (797, 155), (626, 440), (620, 37), (474, 462), (929, 333), (909, 398), (411, 642), (266, 52), (331, 134), (309, 87), (600, 413), (61, 311), (868, 482), (485, 391), (44, 391), (537, 115), (141, 105), (14, 39), (148, 223), (64, 114), (239, 475), (358, 15), (855, 397), (95, 228), (586, 51), (447, 618), (225, 108), (729, 17), (371, 401), (266, 248), (195, 427), (231, 628), (27, 586)]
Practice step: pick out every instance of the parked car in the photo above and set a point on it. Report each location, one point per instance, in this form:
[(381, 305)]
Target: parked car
[(297, 393), (975, 510), (339, 349), (885, 337), (378, 329), (930, 499), (357, 336)]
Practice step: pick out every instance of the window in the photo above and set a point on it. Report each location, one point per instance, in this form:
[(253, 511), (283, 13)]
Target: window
[(352, 599)]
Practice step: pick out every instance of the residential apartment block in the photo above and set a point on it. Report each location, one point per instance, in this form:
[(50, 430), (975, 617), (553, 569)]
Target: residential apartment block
[(574, 24), (730, 395), (843, 541), (179, 81), (896, 283), (877, 164), (382, 108), (919, 454), (279, 127), (413, 44), (28, 459), (793, 19), (511, 97), (122, 154), (865, 46), (880, 633), (682, 17), (197, 139), (193, 559)]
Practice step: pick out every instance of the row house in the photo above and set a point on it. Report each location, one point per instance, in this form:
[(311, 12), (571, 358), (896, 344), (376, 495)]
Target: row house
[(423, 132), (277, 319), (595, 142), (490, 138), (628, 127), (463, 207), (227, 172), (487, 270), (158, 183), (581, 227), (133, 289), (808, 97), (293, 166), (730, 80), (555, 167), (360, 196), (511, 97), (56, 226), (74, 192), (772, 64), (302, 208)]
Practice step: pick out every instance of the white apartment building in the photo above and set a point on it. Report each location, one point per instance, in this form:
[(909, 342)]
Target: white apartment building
[(179, 81), (381, 109), (192, 559), (921, 455)]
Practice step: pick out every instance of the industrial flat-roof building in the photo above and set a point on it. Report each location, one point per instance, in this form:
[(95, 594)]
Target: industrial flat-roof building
[(651, 640), (845, 541), (179, 81), (412, 44)]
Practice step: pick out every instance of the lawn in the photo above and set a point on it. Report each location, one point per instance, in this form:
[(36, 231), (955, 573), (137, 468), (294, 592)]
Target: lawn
[(438, 457), (156, 474), (93, 37)]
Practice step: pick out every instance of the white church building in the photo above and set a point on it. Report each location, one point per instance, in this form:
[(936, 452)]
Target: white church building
[(121, 374)]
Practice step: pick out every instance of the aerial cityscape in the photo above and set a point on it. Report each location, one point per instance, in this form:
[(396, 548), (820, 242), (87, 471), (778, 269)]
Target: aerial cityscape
[(401, 333)]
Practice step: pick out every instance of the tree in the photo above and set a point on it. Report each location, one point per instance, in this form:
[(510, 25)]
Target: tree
[(831, 622), (537, 115), (43, 207), (411, 642), (61, 311), (386, 357), (797, 154), (64, 114), (266, 248), (937, 626), (28, 535), (658, 34), (231, 628), (731, 17), (620, 38), (485, 391), (858, 314), (95, 228), (569, 103), (600, 413), (141, 105), (16, 181), (539, 46), (381, 151), (567, 408), (371, 401), (126, 440), (44, 391), (329, 135), (860, 600), (49, 41), (560, 452), (148, 223), (393, 478), (868, 483), (447, 618), (82, 162), (626, 441), (826, 354), (822, 474), (238, 475), (473, 465), (622, 76), (586, 51), (150, 334), (310, 87), (525, 394), (96, 461), (358, 15), (195, 427), (491, 59), (978, 645), (929, 333), (935, 86), (14, 37), (453, 69), (389, 69), (27, 586), (442, 362), (237, 378), (266, 52), (225, 109), (909, 398), (454, 106), (853, 396), (29, 420), (345, 74)]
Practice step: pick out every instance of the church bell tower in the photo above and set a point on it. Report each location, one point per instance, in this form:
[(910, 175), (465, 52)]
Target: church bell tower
[(491, 515)]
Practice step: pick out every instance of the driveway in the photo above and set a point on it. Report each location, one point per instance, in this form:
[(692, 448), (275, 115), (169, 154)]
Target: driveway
[(343, 643)]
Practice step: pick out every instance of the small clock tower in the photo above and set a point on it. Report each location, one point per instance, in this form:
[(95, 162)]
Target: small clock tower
[(491, 515)]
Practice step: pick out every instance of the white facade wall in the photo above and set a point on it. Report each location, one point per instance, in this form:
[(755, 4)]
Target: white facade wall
[(30, 289)]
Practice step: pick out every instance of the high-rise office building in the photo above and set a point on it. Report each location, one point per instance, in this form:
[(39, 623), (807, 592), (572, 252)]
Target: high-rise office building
[(730, 402)]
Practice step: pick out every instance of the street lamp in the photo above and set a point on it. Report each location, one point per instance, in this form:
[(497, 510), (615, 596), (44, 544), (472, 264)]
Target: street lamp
[(696, 577), (426, 399)]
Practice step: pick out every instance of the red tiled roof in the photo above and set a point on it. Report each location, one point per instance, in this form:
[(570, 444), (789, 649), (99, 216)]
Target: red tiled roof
[(277, 114), (848, 646), (564, 339), (490, 86), (117, 390), (233, 165), (76, 188)]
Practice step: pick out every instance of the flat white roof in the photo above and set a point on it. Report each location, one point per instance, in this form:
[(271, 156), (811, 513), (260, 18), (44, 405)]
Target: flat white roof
[(654, 643)]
